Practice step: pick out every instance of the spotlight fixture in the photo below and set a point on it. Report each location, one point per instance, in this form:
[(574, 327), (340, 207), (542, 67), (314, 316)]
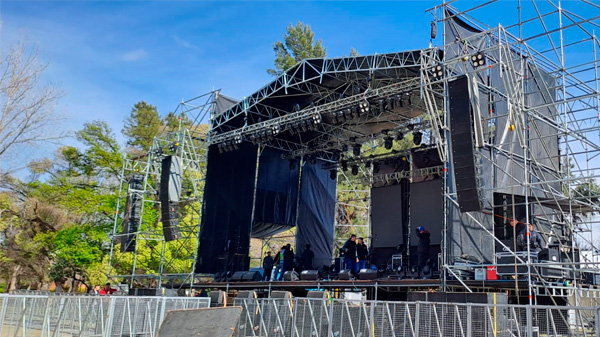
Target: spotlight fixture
[(437, 72), (344, 165), (363, 107), (417, 138), (376, 167), (344, 147), (354, 170), (332, 174), (388, 142), (400, 136), (478, 60), (312, 160), (356, 149)]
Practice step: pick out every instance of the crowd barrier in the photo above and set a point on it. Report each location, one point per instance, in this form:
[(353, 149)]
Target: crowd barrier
[(349, 318), (88, 316)]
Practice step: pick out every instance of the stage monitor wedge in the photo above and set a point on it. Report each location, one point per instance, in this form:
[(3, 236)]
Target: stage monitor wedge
[(465, 162)]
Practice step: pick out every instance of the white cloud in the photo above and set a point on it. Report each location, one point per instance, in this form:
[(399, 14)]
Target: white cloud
[(134, 55), (185, 44)]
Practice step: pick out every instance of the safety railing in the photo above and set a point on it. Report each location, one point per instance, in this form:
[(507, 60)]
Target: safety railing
[(340, 318), (88, 316)]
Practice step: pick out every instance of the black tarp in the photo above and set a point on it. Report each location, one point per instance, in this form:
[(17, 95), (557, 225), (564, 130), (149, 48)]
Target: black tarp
[(316, 212), (227, 210), (276, 194)]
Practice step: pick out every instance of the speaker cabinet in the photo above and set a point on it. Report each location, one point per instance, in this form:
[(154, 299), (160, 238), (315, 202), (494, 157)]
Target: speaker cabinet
[(309, 275), (465, 162), (170, 220), (133, 210), (291, 275), (238, 276), (367, 274), (170, 189), (345, 274)]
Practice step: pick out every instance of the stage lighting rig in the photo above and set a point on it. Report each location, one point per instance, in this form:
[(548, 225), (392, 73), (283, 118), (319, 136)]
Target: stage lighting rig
[(388, 142), (356, 149), (478, 60), (354, 170), (376, 167), (437, 72), (344, 165), (332, 174), (363, 107), (417, 137)]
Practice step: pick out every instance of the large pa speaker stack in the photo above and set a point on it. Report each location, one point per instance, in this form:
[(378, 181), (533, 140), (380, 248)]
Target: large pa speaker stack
[(464, 157), (133, 209), (170, 189)]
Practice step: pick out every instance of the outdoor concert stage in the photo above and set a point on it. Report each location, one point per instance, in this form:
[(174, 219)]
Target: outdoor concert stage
[(468, 138)]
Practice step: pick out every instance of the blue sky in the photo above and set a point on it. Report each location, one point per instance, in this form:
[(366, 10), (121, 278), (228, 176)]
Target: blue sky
[(106, 56)]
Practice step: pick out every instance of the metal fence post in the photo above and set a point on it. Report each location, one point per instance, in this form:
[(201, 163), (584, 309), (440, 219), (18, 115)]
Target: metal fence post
[(417, 318), (597, 322), (529, 320), (469, 319)]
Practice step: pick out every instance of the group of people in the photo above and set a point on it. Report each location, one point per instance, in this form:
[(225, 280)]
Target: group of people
[(286, 260), (356, 254), (106, 290)]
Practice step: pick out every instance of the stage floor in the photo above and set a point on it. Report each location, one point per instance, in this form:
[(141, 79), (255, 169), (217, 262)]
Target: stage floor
[(405, 284)]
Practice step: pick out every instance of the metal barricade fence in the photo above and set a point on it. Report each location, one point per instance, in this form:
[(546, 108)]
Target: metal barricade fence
[(300, 317), (88, 316)]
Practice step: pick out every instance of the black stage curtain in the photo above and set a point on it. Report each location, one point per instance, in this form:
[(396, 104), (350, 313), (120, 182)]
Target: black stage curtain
[(317, 211), (276, 194), (227, 210)]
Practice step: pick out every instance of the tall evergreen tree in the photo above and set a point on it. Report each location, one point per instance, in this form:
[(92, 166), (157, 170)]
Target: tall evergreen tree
[(142, 126), (299, 44)]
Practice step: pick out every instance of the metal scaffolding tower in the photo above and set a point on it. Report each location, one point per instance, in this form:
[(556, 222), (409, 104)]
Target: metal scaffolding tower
[(153, 259)]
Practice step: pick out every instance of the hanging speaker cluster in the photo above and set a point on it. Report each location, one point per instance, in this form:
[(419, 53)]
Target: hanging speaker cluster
[(170, 190), (133, 210)]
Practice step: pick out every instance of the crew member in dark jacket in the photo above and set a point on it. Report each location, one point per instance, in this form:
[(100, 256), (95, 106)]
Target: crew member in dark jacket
[(535, 240), (423, 246), (362, 252), (307, 258), (350, 253), (268, 266), (288, 258)]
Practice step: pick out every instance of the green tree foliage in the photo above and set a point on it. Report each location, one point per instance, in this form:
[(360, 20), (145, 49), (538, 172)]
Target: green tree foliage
[(142, 126), (172, 121), (298, 44)]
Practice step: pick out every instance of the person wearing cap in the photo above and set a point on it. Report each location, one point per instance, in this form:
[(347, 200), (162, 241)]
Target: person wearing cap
[(535, 239), (423, 246)]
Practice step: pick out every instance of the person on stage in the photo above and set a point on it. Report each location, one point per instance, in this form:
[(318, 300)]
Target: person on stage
[(288, 258), (307, 258), (535, 239), (349, 249), (362, 253), (422, 247), (268, 266)]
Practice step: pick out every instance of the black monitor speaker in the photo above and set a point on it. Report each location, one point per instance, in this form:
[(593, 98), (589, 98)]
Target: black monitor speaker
[(345, 274), (367, 274), (309, 275)]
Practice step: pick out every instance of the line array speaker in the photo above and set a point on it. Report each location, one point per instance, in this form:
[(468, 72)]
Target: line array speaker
[(133, 209), (170, 189), (464, 156)]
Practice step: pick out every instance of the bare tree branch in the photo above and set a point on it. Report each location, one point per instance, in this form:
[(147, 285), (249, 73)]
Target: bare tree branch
[(27, 113)]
